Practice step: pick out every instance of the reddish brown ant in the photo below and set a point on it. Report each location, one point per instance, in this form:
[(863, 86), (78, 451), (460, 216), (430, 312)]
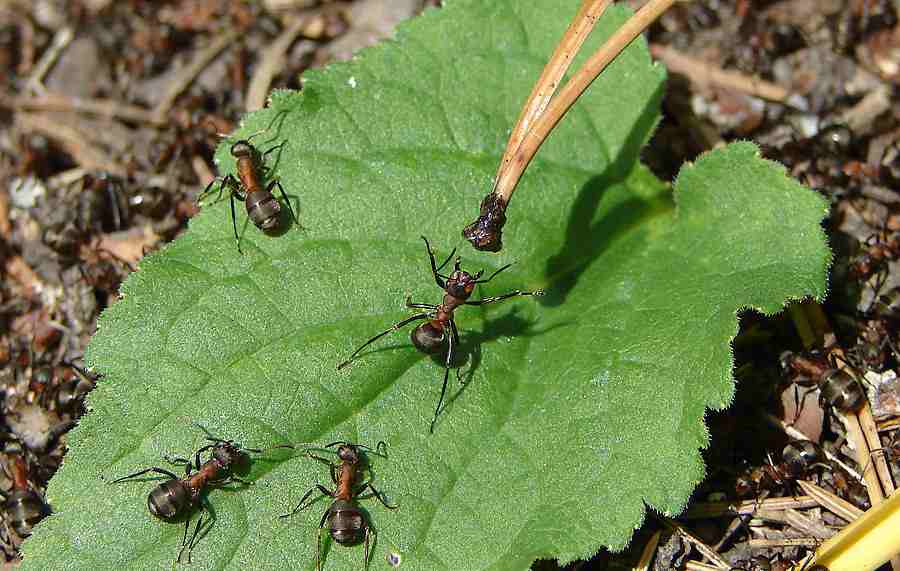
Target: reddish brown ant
[(262, 207), (838, 388), (880, 249), (23, 506), (429, 337), (798, 459), (345, 519), (178, 497)]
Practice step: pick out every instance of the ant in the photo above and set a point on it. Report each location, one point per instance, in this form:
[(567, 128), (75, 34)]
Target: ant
[(345, 519), (880, 249), (837, 388), (430, 336), (798, 459), (22, 505), (262, 207), (178, 497)]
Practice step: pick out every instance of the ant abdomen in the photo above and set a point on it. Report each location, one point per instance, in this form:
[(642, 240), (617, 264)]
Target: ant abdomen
[(24, 508), (169, 500), (840, 390), (263, 209), (346, 522), (428, 337)]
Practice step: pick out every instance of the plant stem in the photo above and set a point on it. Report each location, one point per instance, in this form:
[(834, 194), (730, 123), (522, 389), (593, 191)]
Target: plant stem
[(485, 232)]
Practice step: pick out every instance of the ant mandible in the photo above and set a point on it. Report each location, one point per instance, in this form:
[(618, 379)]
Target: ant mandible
[(429, 337), (177, 497), (262, 206), (345, 519)]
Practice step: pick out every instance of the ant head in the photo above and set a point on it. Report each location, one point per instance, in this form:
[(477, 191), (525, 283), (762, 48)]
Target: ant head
[(348, 453), (461, 284), (230, 453), (242, 149)]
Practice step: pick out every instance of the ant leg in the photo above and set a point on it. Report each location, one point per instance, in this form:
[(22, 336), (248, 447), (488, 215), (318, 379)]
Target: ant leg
[(800, 401), (497, 298), (447, 362), (321, 489), (220, 180), (454, 332), (147, 471), (176, 460), (272, 150), (234, 224), (493, 274), (319, 542), (411, 305), (434, 267), (184, 541), (377, 494), (331, 465), (366, 552), (392, 328), (284, 195)]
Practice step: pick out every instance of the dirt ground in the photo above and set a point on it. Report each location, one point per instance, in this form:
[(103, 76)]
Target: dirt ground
[(112, 110)]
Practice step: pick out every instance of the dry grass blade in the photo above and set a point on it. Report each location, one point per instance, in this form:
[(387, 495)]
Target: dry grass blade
[(698, 544), (697, 566), (485, 232), (785, 542), (831, 502), (873, 442), (721, 509), (646, 560), (548, 82), (573, 89), (807, 525)]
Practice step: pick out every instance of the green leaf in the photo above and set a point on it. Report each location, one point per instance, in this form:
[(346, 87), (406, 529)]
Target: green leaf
[(580, 406)]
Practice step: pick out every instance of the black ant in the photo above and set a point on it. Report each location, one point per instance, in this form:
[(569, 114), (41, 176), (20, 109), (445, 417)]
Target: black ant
[(178, 497), (262, 207), (430, 336), (345, 519)]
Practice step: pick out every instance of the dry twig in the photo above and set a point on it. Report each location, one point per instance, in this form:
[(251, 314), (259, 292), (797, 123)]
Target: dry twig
[(63, 38), (705, 73), (188, 73), (271, 62), (107, 108), (72, 140)]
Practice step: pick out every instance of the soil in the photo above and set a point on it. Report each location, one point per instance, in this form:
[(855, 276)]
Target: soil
[(112, 111)]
